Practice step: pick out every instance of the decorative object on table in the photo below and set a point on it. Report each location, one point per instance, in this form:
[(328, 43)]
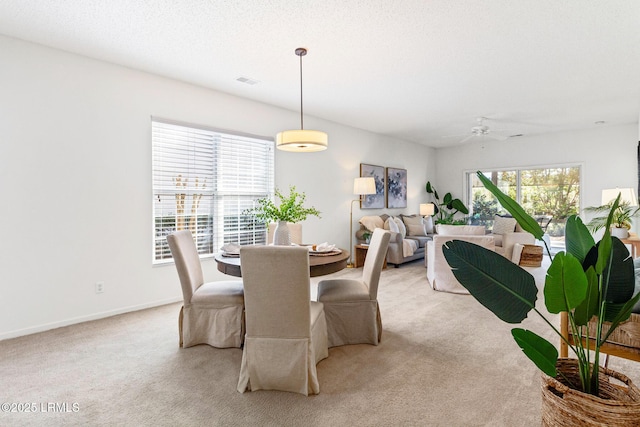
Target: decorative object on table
[(374, 200), (367, 237), (295, 233), (291, 209), (626, 210), (231, 250), (590, 281), (323, 249), (361, 187), (396, 188), (446, 210), (302, 140)]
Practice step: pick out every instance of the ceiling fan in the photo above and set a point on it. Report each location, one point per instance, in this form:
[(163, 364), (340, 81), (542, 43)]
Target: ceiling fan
[(481, 130)]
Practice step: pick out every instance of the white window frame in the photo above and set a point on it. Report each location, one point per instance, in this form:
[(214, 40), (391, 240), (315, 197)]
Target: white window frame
[(203, 179)]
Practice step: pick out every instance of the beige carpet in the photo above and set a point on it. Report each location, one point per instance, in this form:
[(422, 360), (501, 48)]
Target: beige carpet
[(444, 361)]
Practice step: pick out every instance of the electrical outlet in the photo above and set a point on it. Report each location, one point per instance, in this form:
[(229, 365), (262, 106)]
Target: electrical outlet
[(99, 287)]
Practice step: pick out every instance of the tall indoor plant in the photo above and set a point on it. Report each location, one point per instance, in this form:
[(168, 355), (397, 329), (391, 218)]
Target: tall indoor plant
[(445, 210), (291, 209), (591, 280)]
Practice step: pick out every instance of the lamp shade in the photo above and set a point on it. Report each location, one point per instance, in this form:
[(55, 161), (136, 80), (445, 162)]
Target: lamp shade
[(427, 209), (302, 140), (363, 186), (627, 195)]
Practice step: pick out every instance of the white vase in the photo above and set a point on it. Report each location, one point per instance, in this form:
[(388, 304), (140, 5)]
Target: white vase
[(620, 233), (281, 234)]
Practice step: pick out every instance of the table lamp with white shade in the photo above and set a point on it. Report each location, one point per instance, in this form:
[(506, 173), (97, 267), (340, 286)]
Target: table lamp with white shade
[(361, 187), (626, 195), (427, 209)]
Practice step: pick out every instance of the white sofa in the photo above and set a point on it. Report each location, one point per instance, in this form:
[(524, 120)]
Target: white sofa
[(438, 271)]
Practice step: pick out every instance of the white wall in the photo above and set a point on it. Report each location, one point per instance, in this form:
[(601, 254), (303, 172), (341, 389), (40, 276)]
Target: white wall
[(606, 154), (75, 181)]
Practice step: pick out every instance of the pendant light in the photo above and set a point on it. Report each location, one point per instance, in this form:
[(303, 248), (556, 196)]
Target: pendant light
[(301, 140)]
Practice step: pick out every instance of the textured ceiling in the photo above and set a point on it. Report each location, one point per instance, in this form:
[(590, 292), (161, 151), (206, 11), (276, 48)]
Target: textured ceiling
[(418, 70)]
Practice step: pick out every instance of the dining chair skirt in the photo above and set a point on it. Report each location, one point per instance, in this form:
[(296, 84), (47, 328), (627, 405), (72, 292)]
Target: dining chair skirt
[(214, 316)]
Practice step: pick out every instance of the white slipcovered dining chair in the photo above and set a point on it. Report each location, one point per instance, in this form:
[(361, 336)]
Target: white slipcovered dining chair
[(213, 313), (286, 332), (351, 305)]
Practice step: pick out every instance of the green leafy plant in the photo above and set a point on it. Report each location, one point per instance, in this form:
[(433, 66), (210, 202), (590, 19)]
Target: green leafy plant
[(621, 218), (446, 210), (291, 208), (590, 279)]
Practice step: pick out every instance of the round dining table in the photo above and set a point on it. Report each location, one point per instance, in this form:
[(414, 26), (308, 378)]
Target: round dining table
[(319, 265)]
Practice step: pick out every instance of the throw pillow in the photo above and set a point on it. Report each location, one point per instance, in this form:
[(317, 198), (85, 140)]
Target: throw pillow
[(371, 222), (391, 225), (401, 227), (428, 225), (502, 225), (414, 225)]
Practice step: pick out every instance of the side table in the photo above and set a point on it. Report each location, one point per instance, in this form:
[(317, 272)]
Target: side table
[(360, 252), (634, 242)]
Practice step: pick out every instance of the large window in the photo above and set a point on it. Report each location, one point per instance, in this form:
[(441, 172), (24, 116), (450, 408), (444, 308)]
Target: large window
[(203, 180), (548, 194)]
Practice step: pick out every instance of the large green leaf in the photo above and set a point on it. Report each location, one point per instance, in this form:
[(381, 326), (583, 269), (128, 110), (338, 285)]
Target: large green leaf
[(566, 284), (578, 239), (525, 220), (540, 351), (429, 188), (447, 199), (503, 287), (459, 206), (620, 273), (589, 307), (605, 244), (618, 277)]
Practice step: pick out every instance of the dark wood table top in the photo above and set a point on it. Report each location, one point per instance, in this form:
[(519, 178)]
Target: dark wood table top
[(318, 265)]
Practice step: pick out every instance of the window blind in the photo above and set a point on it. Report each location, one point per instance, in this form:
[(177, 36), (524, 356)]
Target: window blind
[(203, 180)]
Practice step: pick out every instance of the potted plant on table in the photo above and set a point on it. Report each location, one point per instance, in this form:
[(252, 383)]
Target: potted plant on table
[(620, 222), (291, 210), (445, 211), (590, 282)]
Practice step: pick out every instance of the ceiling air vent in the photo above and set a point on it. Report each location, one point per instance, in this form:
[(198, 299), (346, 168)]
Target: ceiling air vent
[(247, 80)]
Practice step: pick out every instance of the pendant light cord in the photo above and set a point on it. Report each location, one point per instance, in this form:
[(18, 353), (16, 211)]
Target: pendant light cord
[(301, 113)]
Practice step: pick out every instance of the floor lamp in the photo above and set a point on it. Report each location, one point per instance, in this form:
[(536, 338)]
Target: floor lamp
[(361, 187)]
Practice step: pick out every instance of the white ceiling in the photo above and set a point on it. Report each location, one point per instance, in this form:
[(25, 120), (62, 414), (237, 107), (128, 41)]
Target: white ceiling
[(412, 69)]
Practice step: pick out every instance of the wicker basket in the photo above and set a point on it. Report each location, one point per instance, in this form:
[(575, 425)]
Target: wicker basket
[(531, 256), (618, 404)]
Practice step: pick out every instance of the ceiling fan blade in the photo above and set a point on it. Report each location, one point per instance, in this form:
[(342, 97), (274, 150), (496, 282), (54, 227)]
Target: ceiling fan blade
[(497, 136), (466, 139)]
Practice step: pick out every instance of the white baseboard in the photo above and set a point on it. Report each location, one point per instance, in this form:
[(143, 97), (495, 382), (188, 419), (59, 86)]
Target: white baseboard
[(75, 320)]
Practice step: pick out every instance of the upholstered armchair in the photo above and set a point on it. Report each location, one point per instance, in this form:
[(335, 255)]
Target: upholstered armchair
[(506, 233), (438, 271)]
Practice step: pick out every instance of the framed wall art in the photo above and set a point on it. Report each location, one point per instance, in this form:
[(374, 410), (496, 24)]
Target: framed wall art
[(396, 188), (373, 201)]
